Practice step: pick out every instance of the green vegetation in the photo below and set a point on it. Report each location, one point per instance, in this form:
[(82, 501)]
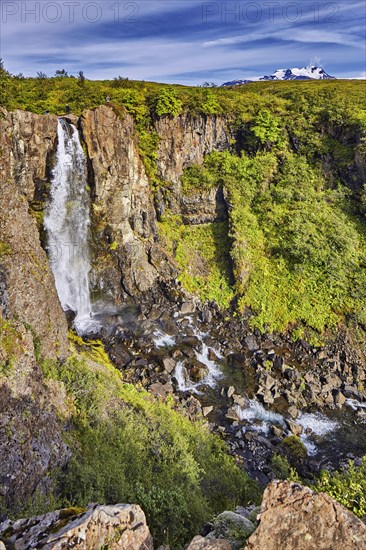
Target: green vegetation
[(11, 346), (148, 147), (282, 468), (202, 253), (130, 448), (4, 249), (294, 450), (297, 231), (347, 486), (167, 103)]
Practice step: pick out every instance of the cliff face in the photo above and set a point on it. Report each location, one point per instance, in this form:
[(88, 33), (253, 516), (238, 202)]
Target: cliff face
[(127, 249), (124, 216), (128, 257), (27, 142), (185, 140), (32, 322)]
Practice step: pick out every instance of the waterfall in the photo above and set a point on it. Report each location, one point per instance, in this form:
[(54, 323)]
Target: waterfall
[(67, 222)]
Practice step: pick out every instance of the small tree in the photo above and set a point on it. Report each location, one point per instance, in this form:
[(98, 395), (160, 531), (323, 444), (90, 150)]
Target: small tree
[(267, 129), (41, 76), (61, 73)]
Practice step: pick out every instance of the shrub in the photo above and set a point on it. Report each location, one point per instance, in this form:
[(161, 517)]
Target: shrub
[(347, 486), (167, 103)]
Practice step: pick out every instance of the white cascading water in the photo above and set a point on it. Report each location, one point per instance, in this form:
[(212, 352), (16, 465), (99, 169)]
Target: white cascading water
[(67, 222)]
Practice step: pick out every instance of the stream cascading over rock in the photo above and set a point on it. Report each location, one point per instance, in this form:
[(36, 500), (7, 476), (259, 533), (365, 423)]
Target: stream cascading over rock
[(67, 221)]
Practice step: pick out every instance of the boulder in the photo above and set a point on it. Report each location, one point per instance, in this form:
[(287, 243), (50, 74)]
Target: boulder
[(232, 414), (206, 410), (296, 429), (168, 364), (251, 342), (197, 370), (233, 527), (230, 391), (160, 390), (202, 543), (239, 400), (121, 526), (293, 516), (339, 399), (293, 412), (187, 307)]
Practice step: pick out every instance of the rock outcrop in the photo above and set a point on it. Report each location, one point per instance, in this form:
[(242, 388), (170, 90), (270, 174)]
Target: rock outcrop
[(293, 516), (122, 526), (185, 140)]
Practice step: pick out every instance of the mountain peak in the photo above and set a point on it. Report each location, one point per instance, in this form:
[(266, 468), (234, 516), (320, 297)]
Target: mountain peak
[(312, 72)]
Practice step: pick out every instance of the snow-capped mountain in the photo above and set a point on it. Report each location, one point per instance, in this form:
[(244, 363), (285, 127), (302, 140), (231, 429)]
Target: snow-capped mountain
[(304, 73), (237, 82)]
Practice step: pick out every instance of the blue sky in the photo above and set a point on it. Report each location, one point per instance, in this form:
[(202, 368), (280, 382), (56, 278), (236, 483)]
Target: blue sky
[(182, 41)]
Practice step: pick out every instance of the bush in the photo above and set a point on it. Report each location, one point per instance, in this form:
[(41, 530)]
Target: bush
[(167, 103), (347, 486), (282, 468)]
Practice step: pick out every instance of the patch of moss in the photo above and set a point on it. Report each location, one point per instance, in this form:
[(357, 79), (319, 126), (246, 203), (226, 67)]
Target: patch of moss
[(70, 512), (5, 249), (10, 345), (66, 516)]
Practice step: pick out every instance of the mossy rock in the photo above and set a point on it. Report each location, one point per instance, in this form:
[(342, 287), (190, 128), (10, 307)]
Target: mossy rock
[(232, 527), (294, 450), (253, 515)]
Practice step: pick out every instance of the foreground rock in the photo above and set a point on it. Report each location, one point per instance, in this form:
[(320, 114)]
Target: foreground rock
[(293, 516), (122, 526)]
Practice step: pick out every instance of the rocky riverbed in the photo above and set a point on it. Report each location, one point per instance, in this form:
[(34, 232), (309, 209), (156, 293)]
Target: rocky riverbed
[(256, 390)]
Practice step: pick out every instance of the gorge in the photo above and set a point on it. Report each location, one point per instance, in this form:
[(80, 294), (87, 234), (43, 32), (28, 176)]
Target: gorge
[(159, 296)]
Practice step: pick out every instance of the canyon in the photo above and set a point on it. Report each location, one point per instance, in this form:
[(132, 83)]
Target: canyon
[(253, 389)]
